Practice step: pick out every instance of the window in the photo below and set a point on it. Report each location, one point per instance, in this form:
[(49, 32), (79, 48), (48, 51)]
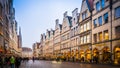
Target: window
[(85, 27), (88, 26), (100, 36), (98, 6), (106, 35), (76, 29), (0, 10), (103, 3), (95, 23), (68, 36), (81, 30), (81, 40), (106, 17), (74, 32), (84, 15), (1, 29), (77, 41), (95, 37), (85, 39), (88, 38), (117, 12), (100, 20), (117, 31)]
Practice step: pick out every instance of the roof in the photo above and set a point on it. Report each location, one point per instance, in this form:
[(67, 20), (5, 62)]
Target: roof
[(69, 19), (26, 49)]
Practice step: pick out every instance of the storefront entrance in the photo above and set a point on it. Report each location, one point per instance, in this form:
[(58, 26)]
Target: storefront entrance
[(82, 56), (117, 55), (95, 55), (88, 56), (106, 55)]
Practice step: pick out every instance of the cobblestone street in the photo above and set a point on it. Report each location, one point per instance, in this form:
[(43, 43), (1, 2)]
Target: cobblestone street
[(54, 64)]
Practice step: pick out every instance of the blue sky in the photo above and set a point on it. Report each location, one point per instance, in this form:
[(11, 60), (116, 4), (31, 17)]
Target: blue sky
[(35, 16)]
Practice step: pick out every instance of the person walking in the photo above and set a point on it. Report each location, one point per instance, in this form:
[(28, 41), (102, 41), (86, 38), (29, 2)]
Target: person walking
[(17, 63), (1, 61), (12, 61)]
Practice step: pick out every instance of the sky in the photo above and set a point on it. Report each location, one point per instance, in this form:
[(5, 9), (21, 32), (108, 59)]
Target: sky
[(36, 16)]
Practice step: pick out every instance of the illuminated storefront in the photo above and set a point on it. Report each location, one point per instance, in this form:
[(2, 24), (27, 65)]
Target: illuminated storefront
[(117, 55), (88, 56), (95, 55), (81, 56), (106, 55)]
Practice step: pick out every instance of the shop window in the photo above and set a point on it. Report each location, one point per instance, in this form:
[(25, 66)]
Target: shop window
[(100, 20), (117, 55), (106, 35), (95, 55), (117, 12), (117, 31), (100, 36), (106, 17), (106, 55)]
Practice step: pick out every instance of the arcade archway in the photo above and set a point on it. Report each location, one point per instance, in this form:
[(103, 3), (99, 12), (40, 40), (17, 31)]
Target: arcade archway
[(106, 55)]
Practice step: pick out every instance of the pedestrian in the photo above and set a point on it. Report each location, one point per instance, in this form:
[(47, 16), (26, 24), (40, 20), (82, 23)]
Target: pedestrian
[(12, 61), (1, 61), (17, 63), (33, 59)]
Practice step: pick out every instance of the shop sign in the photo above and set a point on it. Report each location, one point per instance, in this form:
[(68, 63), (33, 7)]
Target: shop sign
[(102, 44)]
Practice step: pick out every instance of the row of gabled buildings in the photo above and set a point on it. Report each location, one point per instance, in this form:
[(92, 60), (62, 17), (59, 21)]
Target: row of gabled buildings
[(10, 38), (93, 35)]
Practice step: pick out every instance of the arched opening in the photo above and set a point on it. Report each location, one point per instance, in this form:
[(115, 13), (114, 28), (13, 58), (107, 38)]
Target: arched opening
[(88, 56), (82, 56), (95, 55), (117, 55), (106, 55), (76, 55)]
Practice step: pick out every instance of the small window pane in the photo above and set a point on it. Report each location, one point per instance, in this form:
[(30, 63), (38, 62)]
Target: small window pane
[(117, 12), (103, 3), (88, 26), (100, 20), (100, 36), (106, 17), (95, 23), (106, 35), (85, 39), (98, 6), (95, 37), (88, 38), (85, 27)]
